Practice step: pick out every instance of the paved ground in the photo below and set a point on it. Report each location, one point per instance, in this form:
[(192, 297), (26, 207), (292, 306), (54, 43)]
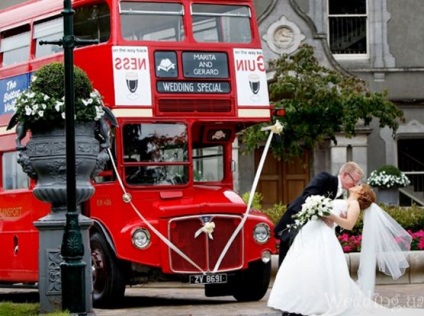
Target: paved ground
[(192, 302), (165, 300)]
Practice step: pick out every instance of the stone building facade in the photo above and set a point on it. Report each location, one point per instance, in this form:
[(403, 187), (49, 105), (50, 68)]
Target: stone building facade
[(385, 51)]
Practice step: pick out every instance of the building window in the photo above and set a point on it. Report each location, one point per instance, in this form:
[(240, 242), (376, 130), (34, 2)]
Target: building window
[(347, 23)]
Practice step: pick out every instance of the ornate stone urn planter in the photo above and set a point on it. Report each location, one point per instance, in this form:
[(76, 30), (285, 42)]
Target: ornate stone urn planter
[(388, 196), (387, 179), (41, 110), (44, 159)]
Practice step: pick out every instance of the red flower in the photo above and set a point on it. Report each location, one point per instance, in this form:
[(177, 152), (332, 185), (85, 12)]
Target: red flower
[(344, 237), (347, 249)]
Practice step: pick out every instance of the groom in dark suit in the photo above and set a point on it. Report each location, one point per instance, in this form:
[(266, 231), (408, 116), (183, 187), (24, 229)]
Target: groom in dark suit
[(325, 184)]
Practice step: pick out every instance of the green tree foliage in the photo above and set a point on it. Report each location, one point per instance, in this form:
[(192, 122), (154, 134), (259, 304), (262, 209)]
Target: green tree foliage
[(319, 103)]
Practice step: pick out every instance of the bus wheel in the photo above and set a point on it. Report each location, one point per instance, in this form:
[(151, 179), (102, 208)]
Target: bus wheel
[(108, 275), (252, 284)]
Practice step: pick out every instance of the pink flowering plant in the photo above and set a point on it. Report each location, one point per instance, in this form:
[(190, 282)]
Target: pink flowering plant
[(417, 240), (352, 243)]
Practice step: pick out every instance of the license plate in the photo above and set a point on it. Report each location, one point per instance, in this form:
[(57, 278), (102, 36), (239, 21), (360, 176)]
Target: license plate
[(208, 278)]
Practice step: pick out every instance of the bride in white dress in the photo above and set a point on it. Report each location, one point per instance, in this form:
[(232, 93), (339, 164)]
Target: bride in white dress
[(314, 279)]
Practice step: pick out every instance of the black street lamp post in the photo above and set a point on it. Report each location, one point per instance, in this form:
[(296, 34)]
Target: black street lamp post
[(72, 250)]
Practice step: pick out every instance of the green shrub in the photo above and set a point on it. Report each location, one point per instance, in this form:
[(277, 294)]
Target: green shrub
[(257, 200), (276, 212), (410, 218), (273, 213), (50, 81), (42, 105)]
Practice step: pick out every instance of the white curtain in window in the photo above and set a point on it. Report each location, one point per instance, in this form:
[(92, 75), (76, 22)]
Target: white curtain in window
[(48, 28), (15, 41)]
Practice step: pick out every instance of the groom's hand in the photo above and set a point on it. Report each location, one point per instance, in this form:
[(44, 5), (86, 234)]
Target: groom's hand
[(343, 215), (328, 221)]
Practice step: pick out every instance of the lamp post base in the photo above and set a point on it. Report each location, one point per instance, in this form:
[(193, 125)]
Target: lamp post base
[(50, 263)]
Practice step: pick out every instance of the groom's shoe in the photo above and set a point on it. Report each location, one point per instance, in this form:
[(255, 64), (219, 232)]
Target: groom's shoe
[(291, 314)]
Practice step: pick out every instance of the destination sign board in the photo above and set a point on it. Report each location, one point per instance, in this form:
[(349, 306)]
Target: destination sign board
[(192, 87), (205, 65)]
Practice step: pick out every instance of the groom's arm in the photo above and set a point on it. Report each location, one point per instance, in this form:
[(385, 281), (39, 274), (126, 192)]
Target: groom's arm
[(322, 184)]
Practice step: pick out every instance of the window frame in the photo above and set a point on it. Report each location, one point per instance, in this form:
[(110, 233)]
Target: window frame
[(14, 40), (159, 34), (350, 56), (12, 170), (218, 23)]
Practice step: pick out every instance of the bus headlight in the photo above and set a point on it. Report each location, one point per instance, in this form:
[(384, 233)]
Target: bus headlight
[(141, 238), (261, 233)]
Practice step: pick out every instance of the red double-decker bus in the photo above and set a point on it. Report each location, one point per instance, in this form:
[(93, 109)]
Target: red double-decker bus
[(182, 78)]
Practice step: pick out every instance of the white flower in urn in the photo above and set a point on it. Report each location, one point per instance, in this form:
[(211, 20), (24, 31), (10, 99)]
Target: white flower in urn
[(207, 228)]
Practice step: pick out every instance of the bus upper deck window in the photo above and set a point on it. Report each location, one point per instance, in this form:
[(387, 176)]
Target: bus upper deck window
[(148, 21), (15, 45), (51, 30), (221, 23), (92, 22)]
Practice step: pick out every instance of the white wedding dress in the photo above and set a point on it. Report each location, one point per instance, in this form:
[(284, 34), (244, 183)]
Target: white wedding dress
[(314, 278)]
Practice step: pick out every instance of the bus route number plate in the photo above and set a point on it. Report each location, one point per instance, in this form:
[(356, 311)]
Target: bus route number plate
[(208, 278)]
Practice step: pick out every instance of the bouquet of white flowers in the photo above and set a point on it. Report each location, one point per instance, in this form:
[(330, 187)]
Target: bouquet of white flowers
[(315, 207)]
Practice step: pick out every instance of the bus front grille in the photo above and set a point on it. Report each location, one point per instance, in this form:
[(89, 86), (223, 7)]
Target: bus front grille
[(205, 250)]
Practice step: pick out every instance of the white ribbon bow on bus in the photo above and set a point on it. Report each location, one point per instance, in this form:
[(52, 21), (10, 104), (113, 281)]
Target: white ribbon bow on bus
[(207, 229)]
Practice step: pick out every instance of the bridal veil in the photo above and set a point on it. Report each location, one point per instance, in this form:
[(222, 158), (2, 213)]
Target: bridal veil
[(384, 243)]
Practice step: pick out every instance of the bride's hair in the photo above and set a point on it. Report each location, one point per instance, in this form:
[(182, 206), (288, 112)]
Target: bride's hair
[(367, 197)]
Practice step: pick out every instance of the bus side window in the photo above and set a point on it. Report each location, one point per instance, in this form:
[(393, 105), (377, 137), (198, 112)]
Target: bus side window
[(13, 175), (108, 173), (51, 30), (92, 22), (15, 45)]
